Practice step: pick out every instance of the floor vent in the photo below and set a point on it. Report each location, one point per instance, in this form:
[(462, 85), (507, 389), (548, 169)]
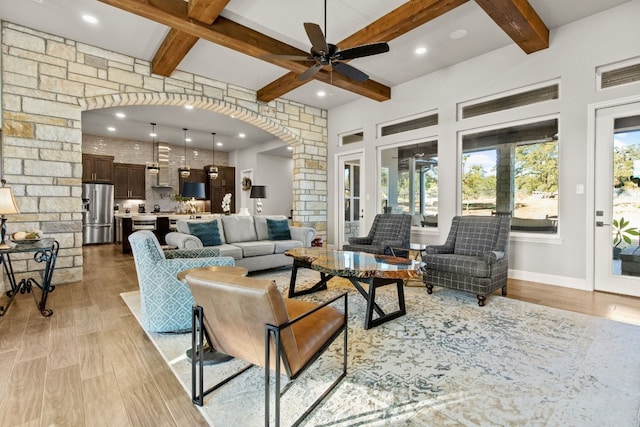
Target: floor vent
[(407, 125), (533, 96), (619, 76)]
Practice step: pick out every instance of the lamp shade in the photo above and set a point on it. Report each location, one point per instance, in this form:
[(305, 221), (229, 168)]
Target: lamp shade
[(258, 192), (7, 201), (193, 189)]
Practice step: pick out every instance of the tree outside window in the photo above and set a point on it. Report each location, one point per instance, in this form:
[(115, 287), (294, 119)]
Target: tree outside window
[(513, 170)]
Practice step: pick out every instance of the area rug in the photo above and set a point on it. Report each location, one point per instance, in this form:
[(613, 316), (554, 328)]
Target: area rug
[(448, 362)]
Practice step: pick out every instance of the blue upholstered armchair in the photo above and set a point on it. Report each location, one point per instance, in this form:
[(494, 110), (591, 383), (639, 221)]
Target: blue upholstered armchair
[(387, 231), (165, 301), (474, 258)]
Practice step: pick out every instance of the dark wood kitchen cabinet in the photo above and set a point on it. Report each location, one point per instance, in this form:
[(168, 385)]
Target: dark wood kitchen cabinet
[(223, 184), (129, 181), (97, 168)]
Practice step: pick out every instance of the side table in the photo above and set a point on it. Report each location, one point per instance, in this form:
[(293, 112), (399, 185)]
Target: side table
[(44, 251)]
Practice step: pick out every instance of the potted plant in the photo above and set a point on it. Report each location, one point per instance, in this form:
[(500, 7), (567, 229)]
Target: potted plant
[(622, 232)]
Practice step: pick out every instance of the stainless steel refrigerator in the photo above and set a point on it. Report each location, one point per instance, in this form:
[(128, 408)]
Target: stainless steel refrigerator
[(97, 213)]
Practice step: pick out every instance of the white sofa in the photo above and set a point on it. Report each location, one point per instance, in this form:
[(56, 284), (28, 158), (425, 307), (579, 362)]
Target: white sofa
[(246, 239)]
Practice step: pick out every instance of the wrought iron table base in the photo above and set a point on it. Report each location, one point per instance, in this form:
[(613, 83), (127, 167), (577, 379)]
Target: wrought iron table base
[(46, 252)]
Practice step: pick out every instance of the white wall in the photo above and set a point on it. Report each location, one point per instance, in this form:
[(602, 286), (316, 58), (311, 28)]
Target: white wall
[(275, 172), (576, 50)]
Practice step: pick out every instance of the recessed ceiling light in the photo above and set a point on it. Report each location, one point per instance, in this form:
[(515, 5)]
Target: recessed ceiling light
[(241, 135), (120, 115), (321, 93), (111, 129), (233, 117), (458, 34), (290, 148), (187, 139), (420, 50), (189, 107), (219, 144), (153, 135), (90, 19)]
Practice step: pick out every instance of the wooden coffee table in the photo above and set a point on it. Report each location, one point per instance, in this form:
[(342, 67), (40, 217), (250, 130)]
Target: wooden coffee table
[(360, 268)]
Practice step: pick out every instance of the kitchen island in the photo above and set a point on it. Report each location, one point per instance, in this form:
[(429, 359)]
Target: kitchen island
[(124, 222)]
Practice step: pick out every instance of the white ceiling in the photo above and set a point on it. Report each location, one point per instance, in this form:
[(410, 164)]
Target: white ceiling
[(128, 34)]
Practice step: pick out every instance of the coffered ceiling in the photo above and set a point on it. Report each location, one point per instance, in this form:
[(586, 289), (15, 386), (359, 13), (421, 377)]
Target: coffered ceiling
[(225, 40)]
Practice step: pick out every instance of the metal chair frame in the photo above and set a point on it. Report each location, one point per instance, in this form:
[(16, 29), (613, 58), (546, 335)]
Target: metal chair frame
[(272, 332)]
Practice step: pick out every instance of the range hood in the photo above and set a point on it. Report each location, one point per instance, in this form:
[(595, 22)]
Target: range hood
[(163, 164)]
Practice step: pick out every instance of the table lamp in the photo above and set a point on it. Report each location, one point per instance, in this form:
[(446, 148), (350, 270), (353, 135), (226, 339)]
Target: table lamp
[(258, 192), (195, 190), (7, 206)]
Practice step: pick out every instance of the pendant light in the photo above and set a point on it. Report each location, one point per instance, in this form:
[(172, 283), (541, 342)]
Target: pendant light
[(152, 166), (185, 169), (213, 170)]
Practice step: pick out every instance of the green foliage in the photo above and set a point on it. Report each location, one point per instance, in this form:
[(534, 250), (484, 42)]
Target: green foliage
[(179, 198), (623, 157), (536, 167), (623, 232)]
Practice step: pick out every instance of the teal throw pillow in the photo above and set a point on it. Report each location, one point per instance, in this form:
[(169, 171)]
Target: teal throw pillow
[(278, 229), (207, 232)]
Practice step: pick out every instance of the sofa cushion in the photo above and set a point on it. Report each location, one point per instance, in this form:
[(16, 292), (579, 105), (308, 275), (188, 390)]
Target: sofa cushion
[(239, 228), (281, 246), (207, 232), (465, 265), (182, 226), (230, 250), (256, 248), (261, 225), (476, 236), (278, 229)]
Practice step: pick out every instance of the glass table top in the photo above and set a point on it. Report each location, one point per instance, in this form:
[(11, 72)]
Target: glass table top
[(356, 264)]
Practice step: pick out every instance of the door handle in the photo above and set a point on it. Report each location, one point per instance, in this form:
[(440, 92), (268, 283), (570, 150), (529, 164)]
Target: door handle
[(601, 224)]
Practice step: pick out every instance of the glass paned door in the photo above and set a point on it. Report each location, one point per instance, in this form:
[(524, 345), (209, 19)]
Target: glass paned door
[(617, 199), (351, 187)]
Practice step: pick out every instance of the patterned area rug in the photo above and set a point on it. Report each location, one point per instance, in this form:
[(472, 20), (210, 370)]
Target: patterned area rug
[(447, 362)]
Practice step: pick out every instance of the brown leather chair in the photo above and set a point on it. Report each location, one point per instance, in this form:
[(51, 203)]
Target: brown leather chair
[(238, 315)]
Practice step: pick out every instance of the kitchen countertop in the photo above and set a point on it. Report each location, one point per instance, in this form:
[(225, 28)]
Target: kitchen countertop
[(159, 214)]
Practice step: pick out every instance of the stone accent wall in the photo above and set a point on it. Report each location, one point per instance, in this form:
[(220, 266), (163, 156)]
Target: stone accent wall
[(47, 81)]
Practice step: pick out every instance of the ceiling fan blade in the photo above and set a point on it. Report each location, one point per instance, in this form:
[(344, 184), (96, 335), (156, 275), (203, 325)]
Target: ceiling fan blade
[(310, 72), (286, 57), (349, 71), (362, 50), (316, 37)]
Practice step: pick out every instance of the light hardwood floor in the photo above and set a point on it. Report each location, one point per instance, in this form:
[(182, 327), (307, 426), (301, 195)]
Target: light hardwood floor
[(91, 364)]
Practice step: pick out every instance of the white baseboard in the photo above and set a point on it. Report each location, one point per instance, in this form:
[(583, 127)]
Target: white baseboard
[(549, 279)]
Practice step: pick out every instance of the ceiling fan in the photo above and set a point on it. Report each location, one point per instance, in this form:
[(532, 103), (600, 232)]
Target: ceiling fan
[(323, 53)]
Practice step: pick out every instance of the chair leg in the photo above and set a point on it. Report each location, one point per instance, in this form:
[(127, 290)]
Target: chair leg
[(504, 291), (429, 288), (481, 300)]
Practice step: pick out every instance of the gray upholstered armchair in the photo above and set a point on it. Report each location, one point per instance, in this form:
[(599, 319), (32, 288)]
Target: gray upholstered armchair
[(387, 231), (474, 257)]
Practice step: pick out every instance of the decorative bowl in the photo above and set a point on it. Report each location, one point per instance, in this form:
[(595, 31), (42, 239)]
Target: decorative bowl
[(25, 241)]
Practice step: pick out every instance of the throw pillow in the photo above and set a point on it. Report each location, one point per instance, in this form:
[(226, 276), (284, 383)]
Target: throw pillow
[(207, 232), (278, 229)]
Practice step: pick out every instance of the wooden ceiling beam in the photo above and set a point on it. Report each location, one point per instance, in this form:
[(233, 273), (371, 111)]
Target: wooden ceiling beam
[(173, 13), (392, 25), (520, 21), (177, 44)]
